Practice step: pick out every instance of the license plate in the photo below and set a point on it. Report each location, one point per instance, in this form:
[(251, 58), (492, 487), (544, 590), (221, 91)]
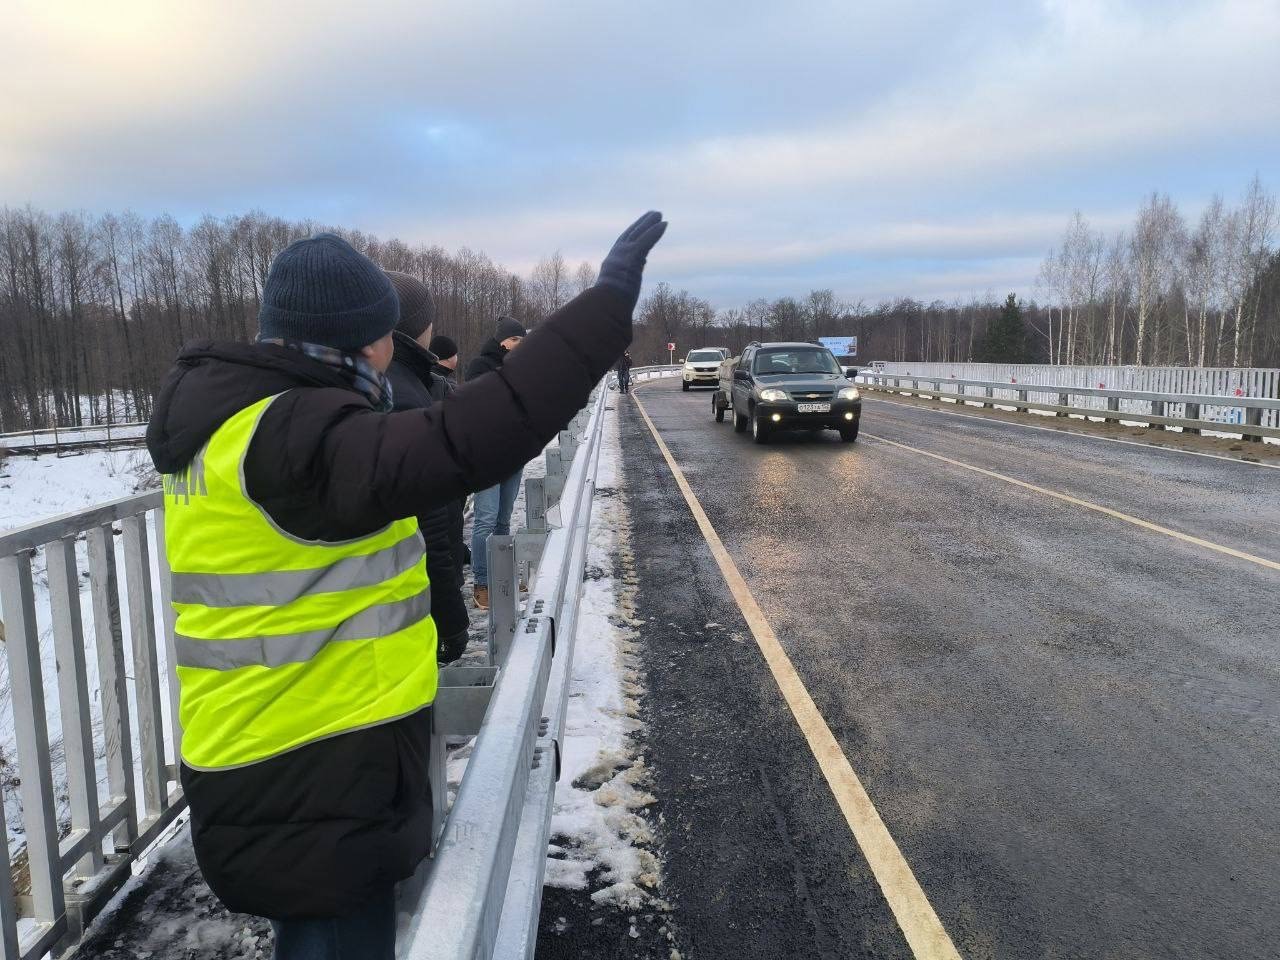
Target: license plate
[(813, 408)]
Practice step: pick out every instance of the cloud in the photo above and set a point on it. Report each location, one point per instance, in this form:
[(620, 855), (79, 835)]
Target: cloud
[(884, 144)]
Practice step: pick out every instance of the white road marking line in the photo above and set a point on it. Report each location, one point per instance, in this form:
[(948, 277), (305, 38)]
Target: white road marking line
[(924, 932), (1073, 433), (1088, 505)]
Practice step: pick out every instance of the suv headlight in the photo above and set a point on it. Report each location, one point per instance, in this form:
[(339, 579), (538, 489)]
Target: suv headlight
[(772, 395), (849, 393)]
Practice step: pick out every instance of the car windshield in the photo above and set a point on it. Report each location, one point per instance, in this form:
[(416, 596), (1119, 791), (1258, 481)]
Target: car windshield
[(799, 360), (705, 356)]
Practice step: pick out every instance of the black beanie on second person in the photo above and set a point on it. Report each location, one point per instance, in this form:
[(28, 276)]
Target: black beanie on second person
[(509, 327), (417, 309), (322, 290), (443, 347)]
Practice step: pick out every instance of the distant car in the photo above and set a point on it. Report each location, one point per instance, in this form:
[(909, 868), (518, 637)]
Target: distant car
[(702, 368), (787, 386)]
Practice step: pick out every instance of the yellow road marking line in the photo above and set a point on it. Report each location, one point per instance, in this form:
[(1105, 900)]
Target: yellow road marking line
[(1088, 505), (923, 930)]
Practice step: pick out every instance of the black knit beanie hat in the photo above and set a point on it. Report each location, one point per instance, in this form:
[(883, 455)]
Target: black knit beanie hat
[(443, 347), (417, 309), (322, 290), (509, 327)]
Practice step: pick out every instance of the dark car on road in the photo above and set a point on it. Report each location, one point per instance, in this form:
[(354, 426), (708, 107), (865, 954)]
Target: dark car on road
[(787, 386)]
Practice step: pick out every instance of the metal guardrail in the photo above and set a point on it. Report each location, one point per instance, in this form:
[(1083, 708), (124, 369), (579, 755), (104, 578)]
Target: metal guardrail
[(1018, 396), (478, 896), (57, 439)]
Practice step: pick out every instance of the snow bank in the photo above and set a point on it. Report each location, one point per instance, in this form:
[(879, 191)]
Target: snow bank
[(598, 833)]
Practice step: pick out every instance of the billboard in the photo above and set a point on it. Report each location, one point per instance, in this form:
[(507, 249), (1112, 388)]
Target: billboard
[(841, 346)]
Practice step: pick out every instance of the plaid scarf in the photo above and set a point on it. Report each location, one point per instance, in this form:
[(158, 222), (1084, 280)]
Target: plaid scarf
[(364, 378)]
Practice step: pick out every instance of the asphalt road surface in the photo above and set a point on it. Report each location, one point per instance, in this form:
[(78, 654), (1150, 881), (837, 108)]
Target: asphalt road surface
[(1067, 718)]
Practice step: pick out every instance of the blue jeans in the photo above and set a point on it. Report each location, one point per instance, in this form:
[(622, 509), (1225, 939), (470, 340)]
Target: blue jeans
[(367, 934), (493, 516)]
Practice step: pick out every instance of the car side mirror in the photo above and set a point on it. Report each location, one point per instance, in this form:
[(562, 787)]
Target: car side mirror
[(850, 373), (741, 375)]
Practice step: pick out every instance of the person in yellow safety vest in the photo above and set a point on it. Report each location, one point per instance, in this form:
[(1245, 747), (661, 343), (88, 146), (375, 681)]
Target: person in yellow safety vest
[(305, 646)]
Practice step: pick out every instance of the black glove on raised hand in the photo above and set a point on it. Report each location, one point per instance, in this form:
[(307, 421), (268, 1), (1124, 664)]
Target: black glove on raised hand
[(623, 268)]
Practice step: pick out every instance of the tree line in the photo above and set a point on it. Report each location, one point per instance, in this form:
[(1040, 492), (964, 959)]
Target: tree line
[(93, 308), (1161, 293)]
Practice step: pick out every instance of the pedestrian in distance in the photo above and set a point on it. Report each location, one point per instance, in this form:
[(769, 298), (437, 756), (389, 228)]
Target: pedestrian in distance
[(415, 386), (446, 352), (624, 373), (493, 506), (445, 382), (304, 638)]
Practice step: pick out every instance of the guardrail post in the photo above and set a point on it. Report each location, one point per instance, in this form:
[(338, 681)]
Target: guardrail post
[(109, 639), (73, 699), (169, 620), (568, 445), (961, 393), (556, 466), (535, 505), (1157, 410), (1113, 406), (142, 633), (1022, 399), (1253, 417), (1064, 400), (554, 488), (504, 597), (1192, 412), (990, 392)]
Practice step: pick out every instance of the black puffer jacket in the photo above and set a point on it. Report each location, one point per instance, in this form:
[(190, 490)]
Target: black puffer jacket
[(489, 360), (317, 831), (414, 386)]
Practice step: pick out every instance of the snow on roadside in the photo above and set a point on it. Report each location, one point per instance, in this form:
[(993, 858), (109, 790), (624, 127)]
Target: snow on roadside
[(599, 835)]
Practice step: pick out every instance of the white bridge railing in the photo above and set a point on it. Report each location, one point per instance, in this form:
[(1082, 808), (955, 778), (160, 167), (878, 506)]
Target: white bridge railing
[(1227, 398), (1252, 417), (100, 785)]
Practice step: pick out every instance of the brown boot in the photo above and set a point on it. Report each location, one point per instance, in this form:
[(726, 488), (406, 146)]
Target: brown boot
[(480, 594)]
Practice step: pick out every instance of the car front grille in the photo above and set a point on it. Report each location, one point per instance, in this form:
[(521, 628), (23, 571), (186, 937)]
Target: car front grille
[(812, 396)]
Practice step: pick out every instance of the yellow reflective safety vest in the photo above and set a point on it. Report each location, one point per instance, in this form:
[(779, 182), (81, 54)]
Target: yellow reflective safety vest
[(282, 641)]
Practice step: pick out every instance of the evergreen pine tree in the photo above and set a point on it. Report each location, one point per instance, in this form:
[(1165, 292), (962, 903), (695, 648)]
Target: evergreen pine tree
[(1006, 339)]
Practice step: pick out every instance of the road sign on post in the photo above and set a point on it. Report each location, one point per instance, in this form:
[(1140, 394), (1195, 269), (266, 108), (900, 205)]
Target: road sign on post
[(671, 353)]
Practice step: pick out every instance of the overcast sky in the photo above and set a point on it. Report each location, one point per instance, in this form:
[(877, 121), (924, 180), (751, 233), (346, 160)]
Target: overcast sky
[(877, 147)]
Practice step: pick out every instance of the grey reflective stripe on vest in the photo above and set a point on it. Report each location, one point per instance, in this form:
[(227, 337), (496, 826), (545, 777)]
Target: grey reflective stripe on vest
[(277, 588), (275, 651)]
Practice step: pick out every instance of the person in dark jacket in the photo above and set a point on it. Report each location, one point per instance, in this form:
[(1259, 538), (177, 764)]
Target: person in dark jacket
[(445, 369), (624, 373), (315, 834), (446, 352), (415, 386), (494, 505)]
